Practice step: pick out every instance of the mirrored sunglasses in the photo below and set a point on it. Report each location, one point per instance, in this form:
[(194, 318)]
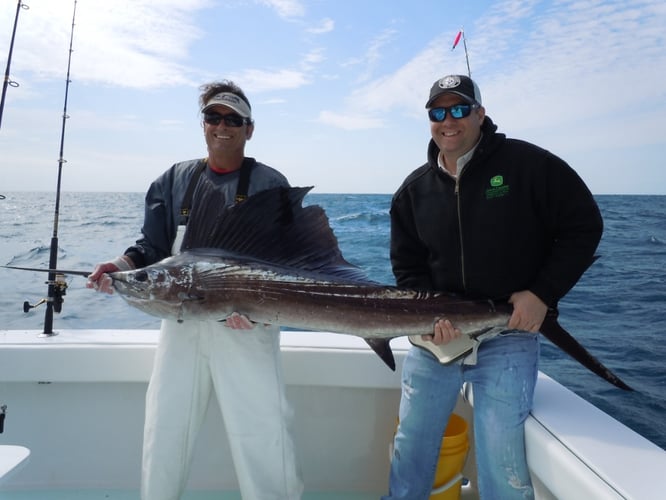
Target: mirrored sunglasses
[(456, 111)]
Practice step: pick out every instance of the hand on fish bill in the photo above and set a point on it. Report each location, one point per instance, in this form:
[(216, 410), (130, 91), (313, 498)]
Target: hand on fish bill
[(100, 281)]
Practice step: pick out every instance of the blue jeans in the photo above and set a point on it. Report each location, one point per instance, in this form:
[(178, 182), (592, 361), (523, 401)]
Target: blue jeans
[(503, 382)]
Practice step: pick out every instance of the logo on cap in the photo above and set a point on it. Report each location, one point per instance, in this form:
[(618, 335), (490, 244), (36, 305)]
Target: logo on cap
[(449, 82), (225, 96)]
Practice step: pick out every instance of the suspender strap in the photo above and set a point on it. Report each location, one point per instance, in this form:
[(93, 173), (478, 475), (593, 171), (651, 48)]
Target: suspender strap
[(244, 179), (186, 205), (241, 188)]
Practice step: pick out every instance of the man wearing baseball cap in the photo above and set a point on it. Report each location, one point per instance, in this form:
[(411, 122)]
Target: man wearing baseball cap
[(486, 217)]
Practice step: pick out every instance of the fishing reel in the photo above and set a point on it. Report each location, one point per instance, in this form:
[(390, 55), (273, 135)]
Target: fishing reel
[(57, 290)]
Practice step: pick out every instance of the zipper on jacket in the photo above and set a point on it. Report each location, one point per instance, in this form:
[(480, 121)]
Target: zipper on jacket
[(460, 229)]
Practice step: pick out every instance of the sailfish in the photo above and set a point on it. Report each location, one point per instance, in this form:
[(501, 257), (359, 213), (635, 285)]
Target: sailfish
[(278, 262)]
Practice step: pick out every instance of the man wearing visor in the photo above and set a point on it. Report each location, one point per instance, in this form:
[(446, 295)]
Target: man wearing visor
[(237, 359), (486, 217)]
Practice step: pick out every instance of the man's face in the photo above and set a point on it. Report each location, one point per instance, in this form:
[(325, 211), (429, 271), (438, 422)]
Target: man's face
[(456, 136), (225, 137)]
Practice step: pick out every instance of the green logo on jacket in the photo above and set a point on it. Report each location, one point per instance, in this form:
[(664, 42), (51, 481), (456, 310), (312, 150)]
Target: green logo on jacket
[(497, 188)]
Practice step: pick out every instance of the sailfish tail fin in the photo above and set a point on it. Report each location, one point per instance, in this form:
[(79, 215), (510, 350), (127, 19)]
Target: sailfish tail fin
[(554, 332)]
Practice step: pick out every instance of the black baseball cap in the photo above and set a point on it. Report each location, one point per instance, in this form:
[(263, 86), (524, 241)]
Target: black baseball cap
[(461, 85)]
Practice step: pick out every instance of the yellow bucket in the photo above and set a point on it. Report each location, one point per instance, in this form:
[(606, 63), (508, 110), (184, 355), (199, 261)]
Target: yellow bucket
[(452, 455)]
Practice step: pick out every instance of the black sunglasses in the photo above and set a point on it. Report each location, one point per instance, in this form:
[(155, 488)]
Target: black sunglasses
[(230, 120), (456, 111)]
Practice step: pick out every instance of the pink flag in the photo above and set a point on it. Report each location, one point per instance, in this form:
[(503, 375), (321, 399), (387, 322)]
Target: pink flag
[(456, 40)]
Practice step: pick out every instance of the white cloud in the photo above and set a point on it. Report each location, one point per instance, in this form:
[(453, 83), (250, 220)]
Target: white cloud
[(586, 64), (287, 9), (570, 59), (274, 101), (264, 80), (312, 58), (349, 121), (325, 26), (403, 91), (257, 80), (580, 78), (126, 43), (375, 53)]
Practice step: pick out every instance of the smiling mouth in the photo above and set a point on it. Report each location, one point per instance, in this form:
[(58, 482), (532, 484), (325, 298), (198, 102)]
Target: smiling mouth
[(222, 136)]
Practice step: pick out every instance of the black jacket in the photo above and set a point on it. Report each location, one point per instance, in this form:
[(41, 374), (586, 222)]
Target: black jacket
[(517, 218)]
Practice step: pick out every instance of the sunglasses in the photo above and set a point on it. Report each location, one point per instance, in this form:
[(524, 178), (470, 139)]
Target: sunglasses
[(230, 120), (456, 111)]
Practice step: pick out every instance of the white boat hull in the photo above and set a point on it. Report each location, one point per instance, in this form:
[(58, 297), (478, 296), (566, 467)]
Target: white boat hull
[(76, 401)]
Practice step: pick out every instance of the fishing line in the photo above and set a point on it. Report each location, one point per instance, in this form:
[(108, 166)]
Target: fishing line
[(57, 285), (8, 82)]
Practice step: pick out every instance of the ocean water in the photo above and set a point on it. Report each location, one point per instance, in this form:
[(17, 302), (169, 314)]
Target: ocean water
[(617, 310)]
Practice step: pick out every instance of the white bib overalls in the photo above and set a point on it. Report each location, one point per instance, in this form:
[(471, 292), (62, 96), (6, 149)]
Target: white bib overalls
[(244, 369)]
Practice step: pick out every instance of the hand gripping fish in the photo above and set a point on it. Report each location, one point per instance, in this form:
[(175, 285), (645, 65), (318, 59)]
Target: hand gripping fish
[(278, 262)]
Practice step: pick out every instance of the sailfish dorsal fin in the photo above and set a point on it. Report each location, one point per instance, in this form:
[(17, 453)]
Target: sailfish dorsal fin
[(271, 226)]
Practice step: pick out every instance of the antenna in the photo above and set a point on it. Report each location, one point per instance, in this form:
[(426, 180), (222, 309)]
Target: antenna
[(56, 282)]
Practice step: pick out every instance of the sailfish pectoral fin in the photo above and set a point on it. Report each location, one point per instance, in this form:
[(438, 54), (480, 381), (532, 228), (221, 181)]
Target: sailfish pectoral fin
[(383, 350), (554, 332)]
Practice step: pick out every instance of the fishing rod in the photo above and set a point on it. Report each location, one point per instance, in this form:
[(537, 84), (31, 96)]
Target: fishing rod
[(469, 71), (57, 285), (9, 83)]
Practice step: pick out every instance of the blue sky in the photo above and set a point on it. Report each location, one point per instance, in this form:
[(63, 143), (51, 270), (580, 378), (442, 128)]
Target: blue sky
[(337, 86)]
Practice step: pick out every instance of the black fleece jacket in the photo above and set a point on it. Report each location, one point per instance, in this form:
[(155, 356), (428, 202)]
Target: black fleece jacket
[(517, 218)]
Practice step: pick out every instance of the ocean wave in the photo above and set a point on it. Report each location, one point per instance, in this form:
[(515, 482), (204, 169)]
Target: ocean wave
[(35, 256)]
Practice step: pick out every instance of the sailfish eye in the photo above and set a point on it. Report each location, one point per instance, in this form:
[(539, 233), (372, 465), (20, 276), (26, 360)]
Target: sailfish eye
[(141, 276)]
